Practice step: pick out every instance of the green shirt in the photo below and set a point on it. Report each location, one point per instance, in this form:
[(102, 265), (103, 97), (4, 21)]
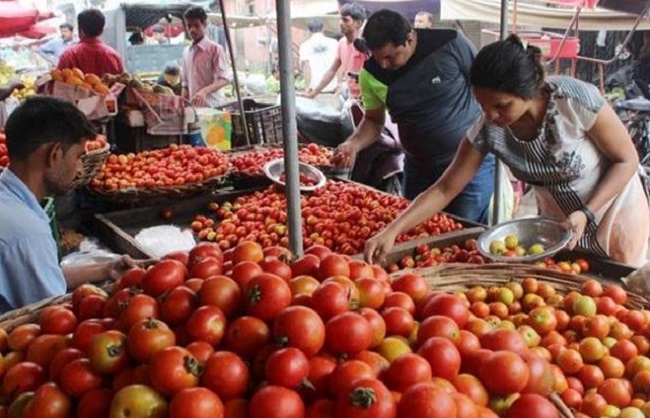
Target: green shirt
[(373, 91)]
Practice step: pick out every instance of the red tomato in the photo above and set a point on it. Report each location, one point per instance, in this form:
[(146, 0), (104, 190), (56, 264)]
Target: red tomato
[(247, 251), (60, 360), (246, 336), (276, 402), (319, 251), (333, 265), (504, 339), (377, 325), (615, 392), (201, 350), (195, 403), (207, 323), (504, 373), (131, 278), (426, 400), (472, 387), (371, 292), (84, 333), (401, 300), (95, 403), (542, 379), (525, 404), (274, 266), (48, 402), (222, 292), (205, 268), (204, 250), (181, 256), (300, 327), (406, 371), (346, 373), (329, 300), (139, 307), (467, 343), (177, 305), (163, 276), (226, 374), (322, 408), (79, 377), (22, 377), (366, 398), (107, 352), (244, 271), (266, 295), (287, 367), (357, 331), (320, 368), (443, 357), (411, 284), (138, 401), (43, 349), (83, 291), (57, 320), (306, 265), (147, 337), (172, 369)]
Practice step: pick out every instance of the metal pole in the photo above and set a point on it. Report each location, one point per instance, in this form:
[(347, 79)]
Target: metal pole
[(231, 52), (496, 200), (290, 129)]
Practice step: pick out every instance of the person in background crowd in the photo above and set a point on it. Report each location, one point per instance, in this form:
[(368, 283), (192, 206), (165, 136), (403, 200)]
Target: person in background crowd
[(171, 77), (316, 55), (159, 38), (45, 159), (204, 65), (557, 133), (6, 91), (423, 20), (348, 58), (90, 54), (52, 49), (136, 38), (421, 77)]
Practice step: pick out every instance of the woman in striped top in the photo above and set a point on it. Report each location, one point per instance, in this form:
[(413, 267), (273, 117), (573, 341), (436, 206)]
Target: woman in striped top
[(558, 134)]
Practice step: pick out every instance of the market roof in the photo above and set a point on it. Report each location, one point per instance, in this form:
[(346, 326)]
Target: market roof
[(143, 15)]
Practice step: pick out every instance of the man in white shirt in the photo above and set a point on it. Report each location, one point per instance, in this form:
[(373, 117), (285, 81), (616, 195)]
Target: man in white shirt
[(316, 55)]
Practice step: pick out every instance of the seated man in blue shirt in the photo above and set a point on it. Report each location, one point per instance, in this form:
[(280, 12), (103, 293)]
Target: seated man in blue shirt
[(52, 49), (45, 142)]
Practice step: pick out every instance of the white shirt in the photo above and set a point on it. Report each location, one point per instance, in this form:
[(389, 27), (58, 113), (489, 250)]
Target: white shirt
[(320, 52)]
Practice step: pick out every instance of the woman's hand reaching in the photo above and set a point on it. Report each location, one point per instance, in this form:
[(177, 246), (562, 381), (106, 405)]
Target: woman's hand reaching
[(378, 247), (576, 222)]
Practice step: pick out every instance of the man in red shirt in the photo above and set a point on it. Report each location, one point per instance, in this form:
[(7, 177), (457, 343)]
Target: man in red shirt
[(91, 55)]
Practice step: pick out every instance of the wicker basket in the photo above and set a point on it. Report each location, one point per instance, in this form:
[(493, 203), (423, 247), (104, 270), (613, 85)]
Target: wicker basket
[(139, 197), (453, 277), (92, 161)]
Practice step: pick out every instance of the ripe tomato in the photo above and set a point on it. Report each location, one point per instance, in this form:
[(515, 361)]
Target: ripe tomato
[(319, 251), (247, 251), (366, 398), (401, 300), (504, 339), (172, 369), (275, 266), (377, 325), (181, 256), (426, 400), (92, 306), (299, 327), (333, 265), (320, 368), (226, 374), (79, 377), (195, 403), (208, 324), (246, 336), (244, 271), (276, 402), (107, 352), (542, 379), (222, 292), (472, 387), (447, 305), (522, 407), (177, 305), (411, 284), (201, 350), (322, 408), (398, 321), (306, 265), (22, 377), (615, 392), (48, 402), (138, 401), (43, 349), (287, 367), (147, 337), (204, 250), (95, 403), (504, 373), (139, 307), (266, 295), (467, 343), (356, 329), (205, 268), (60, 360), (131, 278), (57, 320), (346, 373), (443, 357), (371, 292), (438, 326), (329, 300), (542, 319), (163, 276), (406, 371), (84, 333)]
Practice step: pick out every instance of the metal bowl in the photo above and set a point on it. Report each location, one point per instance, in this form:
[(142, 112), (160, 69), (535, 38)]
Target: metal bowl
[(546, 231), (274, 170)]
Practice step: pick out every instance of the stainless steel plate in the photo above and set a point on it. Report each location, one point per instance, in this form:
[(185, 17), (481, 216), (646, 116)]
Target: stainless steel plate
[(546, 231), (275, 169)]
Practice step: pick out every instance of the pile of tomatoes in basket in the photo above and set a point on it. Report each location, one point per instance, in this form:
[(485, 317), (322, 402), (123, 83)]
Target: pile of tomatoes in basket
[(250, 333), (341, 216), (252, 163), (176, 165)]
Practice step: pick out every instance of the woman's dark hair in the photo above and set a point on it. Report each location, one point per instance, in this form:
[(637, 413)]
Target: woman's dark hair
[(386, 27), (58, 121), (196, 12), (91, 22), (510, 67)]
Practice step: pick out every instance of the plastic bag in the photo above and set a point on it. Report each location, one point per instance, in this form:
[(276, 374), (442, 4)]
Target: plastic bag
[(158, 241)]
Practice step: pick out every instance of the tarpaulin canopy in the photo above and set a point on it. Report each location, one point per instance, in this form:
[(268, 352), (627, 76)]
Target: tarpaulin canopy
[(408, 8), (530, 14)]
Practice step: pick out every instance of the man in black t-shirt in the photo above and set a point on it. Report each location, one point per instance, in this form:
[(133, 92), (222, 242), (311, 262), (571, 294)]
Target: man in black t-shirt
[(422, 78)]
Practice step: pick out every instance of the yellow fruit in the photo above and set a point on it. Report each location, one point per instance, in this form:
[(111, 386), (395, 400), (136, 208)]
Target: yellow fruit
[(57, 75), (511, 241), (536, 249), (101, 88), (497, 247), (78, 73), (92, 79)]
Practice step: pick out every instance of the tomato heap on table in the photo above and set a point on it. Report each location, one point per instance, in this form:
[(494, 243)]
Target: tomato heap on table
[(248, 333), (252, 163), (175, 165), (341, 216)]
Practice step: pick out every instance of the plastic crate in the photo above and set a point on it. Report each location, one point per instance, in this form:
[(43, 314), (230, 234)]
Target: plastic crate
[(263, 120), (48, 207)]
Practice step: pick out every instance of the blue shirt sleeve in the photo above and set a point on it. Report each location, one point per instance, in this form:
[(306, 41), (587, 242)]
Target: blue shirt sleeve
[(29, 271)]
